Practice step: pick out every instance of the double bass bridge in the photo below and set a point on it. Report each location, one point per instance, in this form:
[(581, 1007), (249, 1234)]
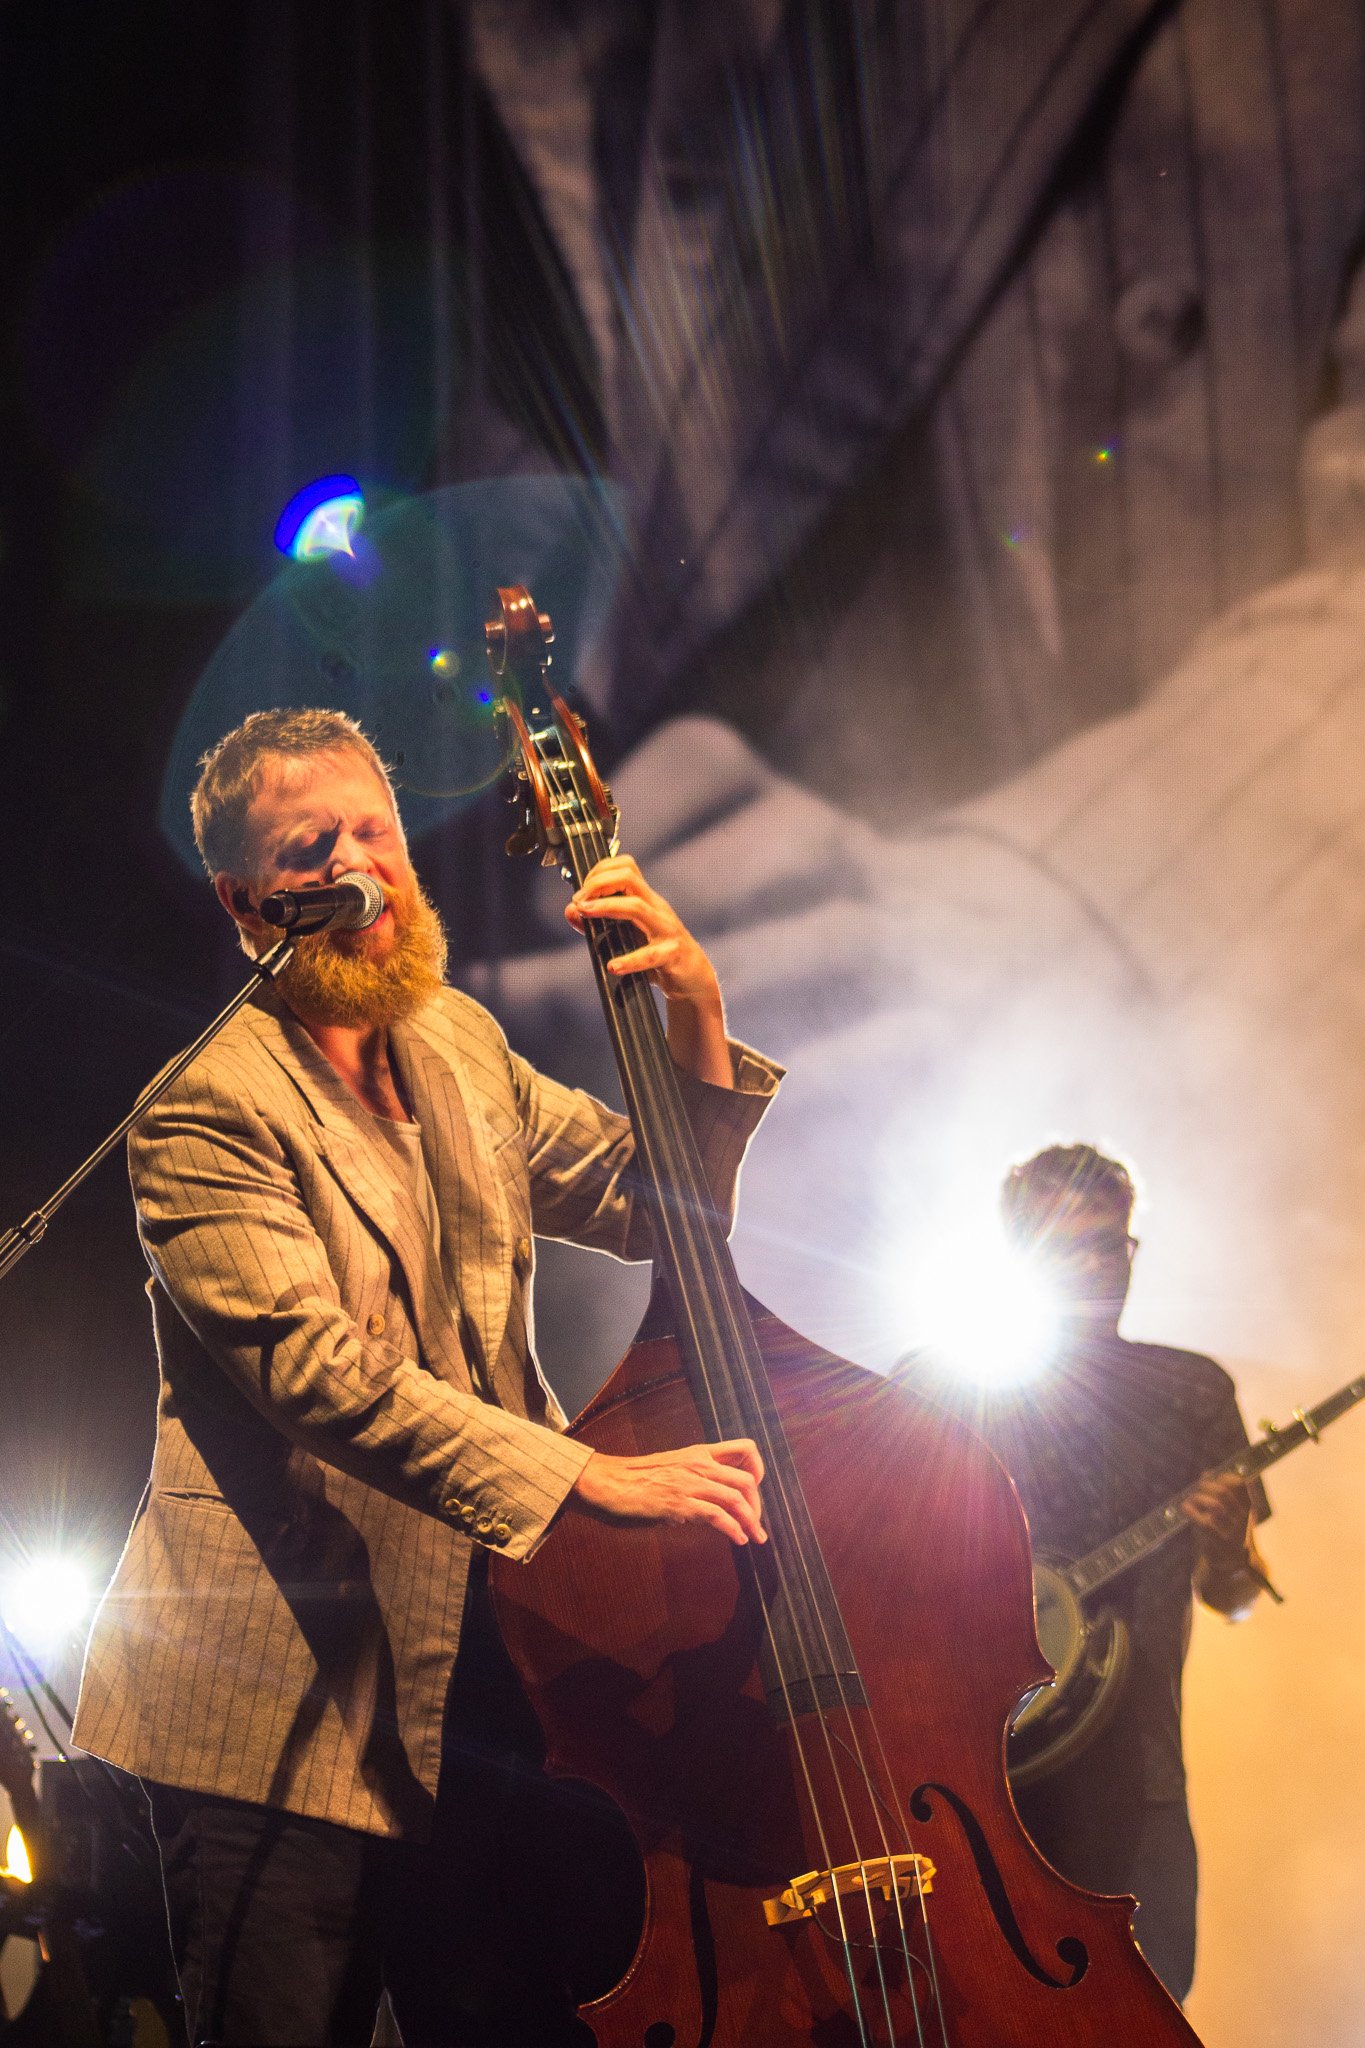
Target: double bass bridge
[(890, 1876)]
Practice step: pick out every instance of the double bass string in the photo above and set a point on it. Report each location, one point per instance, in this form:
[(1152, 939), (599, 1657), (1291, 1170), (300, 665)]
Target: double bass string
[(647, 1046)]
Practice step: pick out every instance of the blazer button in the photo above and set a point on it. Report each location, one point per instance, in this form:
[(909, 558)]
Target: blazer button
[(503, 1532), (453, 1506), (484, 1525), (523, 1249), (467, 1516), (375, 1325)]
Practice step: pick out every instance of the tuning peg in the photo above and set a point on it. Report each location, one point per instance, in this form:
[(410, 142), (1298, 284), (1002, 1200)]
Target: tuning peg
[(1267, 1427), (524, 840)]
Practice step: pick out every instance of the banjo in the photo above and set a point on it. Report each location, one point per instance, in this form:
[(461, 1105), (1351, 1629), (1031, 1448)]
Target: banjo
[(1085, 1641)]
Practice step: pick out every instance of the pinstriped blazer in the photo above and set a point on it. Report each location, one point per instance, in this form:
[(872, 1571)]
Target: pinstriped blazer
[(343, 1414)]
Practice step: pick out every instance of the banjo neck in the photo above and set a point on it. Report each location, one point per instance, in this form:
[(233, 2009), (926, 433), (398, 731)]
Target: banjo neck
[(1162, 1523)]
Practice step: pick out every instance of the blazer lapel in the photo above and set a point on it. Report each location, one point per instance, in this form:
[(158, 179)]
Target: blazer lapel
[(379, 1194)]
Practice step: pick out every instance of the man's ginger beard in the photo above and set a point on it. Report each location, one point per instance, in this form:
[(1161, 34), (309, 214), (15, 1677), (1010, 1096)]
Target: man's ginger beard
[(333, 978)]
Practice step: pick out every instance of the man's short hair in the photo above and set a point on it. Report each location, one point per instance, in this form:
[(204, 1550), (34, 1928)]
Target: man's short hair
[(231, 773), (1046, 1191)]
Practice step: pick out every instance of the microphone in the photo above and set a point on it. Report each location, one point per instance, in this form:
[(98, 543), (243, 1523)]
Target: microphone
[(349, 904)]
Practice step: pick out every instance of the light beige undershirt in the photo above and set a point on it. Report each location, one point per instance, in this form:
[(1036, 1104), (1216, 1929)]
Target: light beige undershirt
[(403, 1142)]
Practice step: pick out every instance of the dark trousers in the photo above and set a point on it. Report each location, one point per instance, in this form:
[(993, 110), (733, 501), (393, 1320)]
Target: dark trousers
[(1125, 1845), (285, 1930)]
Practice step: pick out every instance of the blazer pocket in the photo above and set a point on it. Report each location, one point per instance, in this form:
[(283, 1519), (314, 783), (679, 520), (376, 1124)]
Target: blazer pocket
[(500, 1136)]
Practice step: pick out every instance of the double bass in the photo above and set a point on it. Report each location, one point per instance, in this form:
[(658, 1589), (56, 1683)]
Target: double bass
[(805, 1738)]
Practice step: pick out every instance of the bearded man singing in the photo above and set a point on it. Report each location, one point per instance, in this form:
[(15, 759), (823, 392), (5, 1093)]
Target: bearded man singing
[(337, 1203)]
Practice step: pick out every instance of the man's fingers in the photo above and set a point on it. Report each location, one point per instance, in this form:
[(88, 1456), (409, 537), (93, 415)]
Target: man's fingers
[(643, 957), (733, 1473), (734, 1505), (1220, 1510), (722, 1506), (713, 1484), (617, 905), (715, 1517), (741, 1450), (616, 879)]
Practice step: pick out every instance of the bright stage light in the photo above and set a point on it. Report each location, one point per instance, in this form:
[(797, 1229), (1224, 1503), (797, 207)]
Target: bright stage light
[(44, 1601), (321, 519), (984, 1312), (17, 1864)]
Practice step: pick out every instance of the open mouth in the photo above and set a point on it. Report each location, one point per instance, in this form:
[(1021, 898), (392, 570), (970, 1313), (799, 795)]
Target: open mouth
[(384, 927)]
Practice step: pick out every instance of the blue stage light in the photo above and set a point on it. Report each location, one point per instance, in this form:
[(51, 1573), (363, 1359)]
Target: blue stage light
[(321, 519)]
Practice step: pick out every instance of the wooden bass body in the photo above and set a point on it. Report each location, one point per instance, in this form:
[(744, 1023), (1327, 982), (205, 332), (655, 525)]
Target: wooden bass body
[(639, 1649)]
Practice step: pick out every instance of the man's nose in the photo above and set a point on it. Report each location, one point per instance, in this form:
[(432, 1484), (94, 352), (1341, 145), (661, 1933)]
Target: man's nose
[(348, 856)]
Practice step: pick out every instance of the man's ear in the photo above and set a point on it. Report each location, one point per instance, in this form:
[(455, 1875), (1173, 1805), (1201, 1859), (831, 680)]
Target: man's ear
[(234, 896)]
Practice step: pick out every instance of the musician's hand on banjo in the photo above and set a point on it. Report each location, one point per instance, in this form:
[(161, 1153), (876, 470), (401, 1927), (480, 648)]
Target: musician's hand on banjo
[(1230, 1573), (1220, 1508), (712, 1483), (675, 962)]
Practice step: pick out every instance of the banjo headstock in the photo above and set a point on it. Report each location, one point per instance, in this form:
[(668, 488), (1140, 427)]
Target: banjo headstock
[(564, 800)]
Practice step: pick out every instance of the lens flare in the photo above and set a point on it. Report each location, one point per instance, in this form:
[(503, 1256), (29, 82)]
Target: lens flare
[(984, 1312), (17, 1864), (393, 633), (44, 1601), (321, 519)]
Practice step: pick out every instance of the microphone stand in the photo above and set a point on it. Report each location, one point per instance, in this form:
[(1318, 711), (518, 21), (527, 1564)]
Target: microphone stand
[(21, 1237)]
